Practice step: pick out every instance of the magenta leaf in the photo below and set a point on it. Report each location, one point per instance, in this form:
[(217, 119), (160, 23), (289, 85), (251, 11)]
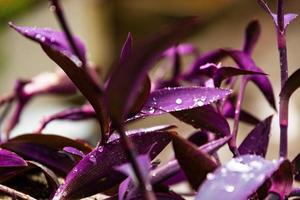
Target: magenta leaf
[(181, 49), (54, 39), (181, 98), (45, 149), (95, 172), (204, 117), (11, 159), (74, 151), (195, 163), (239, 178), (257, 140), (122, 90)]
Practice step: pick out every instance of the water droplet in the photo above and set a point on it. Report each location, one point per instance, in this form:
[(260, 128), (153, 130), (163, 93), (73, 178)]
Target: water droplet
[(237, 166), (76, 60), (100, 149), (52, 8), (93, 159), (256, 164), (210, 176), (38, 36), (229, 188), (178, 101), (152, 110)]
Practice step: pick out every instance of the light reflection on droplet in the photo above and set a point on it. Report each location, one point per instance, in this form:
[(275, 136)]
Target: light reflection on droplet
[(178, 101), (229, 188)]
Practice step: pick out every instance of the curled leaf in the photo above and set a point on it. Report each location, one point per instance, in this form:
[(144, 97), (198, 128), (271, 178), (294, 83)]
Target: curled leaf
[(251, 36), (291, 85)]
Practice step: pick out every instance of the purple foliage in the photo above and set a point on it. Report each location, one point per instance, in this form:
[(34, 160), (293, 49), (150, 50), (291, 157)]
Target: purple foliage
[(201, 94)]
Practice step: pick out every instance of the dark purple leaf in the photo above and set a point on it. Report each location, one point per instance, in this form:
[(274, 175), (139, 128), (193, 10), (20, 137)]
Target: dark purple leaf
[(199, 137), (291, 85), (126, 50), (95, 172), (257, 140), (11, 159), (45, 149), (239, 178), (229, 109), (83, 79), (122, 90), (171, 173), (54, 39), (251, 36), (295, 192), (204, 117), (181, 98), (227, 72), (51, 178), (74, 151), (195, 164), (296, 164), (282, 180), (244, 61)]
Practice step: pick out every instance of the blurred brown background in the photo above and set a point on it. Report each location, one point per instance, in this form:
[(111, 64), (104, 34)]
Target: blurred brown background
[(103, 26)]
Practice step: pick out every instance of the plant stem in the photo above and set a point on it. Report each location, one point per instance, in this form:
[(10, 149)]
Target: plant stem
[(131, 153), (232, 142), (283, 105), (64, 25), (14, 193)]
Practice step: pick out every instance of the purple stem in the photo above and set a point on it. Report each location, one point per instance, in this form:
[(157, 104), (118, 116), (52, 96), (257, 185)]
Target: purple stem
[(131, 153), (64, 25), (15, 193), (283, 104), (232, 142)]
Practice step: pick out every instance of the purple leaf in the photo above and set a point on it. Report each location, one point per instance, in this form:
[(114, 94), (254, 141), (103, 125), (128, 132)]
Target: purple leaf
[(122, 90), (195, 164), (45, 150), (126, 50), (291, 85), (56, 40), (288, 18), (171, 173), (83, 79), (204, 117), (11, 159), (181, 49), (239, 178), (251, 36), (257, 140), (95, 172), (74, 151), (296, 164), (51, 178), (84, 112), (181, 98), (244, 61)]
